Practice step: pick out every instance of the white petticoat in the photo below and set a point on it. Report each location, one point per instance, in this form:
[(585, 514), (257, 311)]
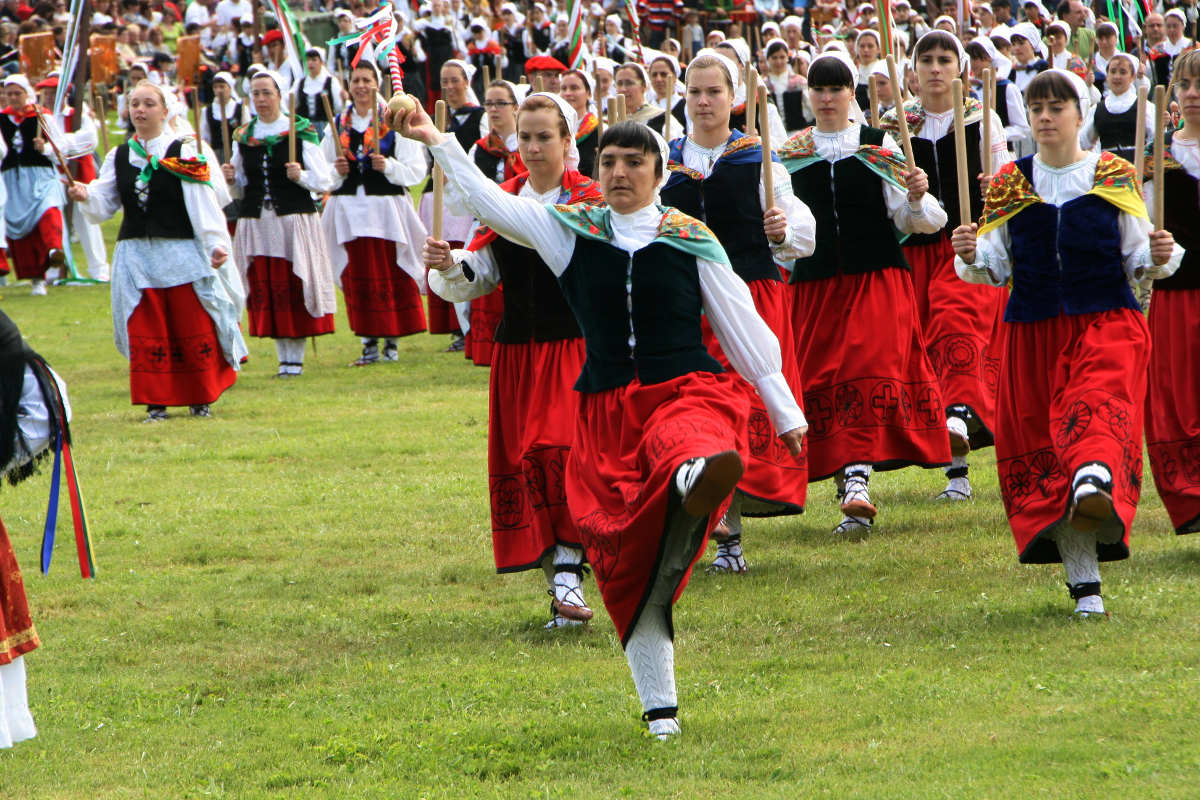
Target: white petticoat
[(297, 238), (390, 217), (16, 723)]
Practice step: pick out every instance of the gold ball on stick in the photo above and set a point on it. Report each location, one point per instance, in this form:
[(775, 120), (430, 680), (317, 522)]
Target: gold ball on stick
[(401, 102)]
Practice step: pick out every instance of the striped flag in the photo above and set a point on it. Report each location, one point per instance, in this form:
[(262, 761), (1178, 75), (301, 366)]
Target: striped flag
[(293, 41), (575, 33), (883, 13)]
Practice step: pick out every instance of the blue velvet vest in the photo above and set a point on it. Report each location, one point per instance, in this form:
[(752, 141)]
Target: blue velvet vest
[(661, 307), (1066, 259)]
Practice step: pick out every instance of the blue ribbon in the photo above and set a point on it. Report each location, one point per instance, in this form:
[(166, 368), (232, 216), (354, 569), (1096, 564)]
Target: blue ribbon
[(52, 508)]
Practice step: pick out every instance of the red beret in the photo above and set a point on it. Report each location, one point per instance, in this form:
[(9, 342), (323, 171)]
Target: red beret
[(48, 83), (275, 35), (544, 63)]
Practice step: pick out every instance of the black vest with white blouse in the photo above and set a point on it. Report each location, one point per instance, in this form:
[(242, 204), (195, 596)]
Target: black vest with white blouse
[(162, 214)]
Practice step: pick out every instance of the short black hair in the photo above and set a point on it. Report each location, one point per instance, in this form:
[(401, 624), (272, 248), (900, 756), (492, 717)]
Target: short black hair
[(634, 135), (829, 72)]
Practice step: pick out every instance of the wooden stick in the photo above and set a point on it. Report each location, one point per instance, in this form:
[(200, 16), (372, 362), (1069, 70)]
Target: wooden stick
[(375, 127), (487, 77), (1160, 112), (901, 119), (667, 119), (873, 93), (292, 129), (612, 112), (333, 131), (540, 83), (621, 111), (439, 116), (103, 115), (751, 101), (62, 162), (1139, 139), (960, 154), (225, 135), (985, 144), (196, 111), (599, 115), (768, 177)]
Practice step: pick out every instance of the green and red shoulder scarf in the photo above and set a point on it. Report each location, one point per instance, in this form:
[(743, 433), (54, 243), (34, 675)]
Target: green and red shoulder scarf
[(244, 134), (800, 151), (191, 170), (577, 189), (675, 229)]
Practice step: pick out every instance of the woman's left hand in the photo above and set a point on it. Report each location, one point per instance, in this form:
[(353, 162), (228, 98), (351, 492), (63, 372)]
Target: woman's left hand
[(293, 171), (1162, 244), (775, 225), (918, 184), (218, 257)]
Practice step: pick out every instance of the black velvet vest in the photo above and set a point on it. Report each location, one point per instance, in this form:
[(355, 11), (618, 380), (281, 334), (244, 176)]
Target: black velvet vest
[(727, 202), (661, 309), (362, 173), (215, 137), (793, 110), (165, 215), (534, 306), (1181, 216), (1117, 132), (854, 233), (489, 164), (1002, 101), (940, 163), (314, 110), (287, 196), (28, 155)]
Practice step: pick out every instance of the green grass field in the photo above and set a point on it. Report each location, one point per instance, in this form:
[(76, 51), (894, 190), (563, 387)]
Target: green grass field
[(296, 598)]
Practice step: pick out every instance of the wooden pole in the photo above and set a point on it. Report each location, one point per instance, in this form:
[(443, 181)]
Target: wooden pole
[(873, 93), (1139, 140), (751, 101), (487, 77), (291, 128), (439, 116), (1160, 113), (599, 114), (225, 133), (196, 111), (667, 119), (960, 155), (985, 144), (768, 177), (901, 120), (375, 128), (333, 131), (621, 112), (62, 162), (540, 83), (98, 99)]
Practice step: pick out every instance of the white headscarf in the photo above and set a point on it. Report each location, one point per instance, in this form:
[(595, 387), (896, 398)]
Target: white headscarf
[(23, 82), (1081, 89), (572, 120), (1029, 32), (725, 63), (942, 36), (228, 79), (275, 77)]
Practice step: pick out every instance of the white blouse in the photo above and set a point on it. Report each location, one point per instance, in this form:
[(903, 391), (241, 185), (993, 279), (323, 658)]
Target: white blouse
[(802, 227), (1116, 104), (204, 210), (316, 172), (1058, 185), (747, 341), (925, 216)]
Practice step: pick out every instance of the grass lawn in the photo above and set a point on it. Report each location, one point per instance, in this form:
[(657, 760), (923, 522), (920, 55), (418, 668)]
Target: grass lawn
[(296, 598)]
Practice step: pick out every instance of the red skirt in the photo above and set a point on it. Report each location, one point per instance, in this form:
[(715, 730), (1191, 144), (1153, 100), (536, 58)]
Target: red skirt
[(870, 394), (775, 482), (486, 312), (4, 268), (1173, 405), (175, 358), (533, 412), (31, 253), (17, 634), (961, 323), (1072, 390), (381, 299), (629, 442), (276, 302)]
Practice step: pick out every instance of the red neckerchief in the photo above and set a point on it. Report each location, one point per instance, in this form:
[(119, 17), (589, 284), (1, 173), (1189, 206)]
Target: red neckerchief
[(493, 145), (29, 110), (580, 187)]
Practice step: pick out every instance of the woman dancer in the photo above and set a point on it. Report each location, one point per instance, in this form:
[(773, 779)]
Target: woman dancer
[(716, 176), (538, 355), (1172, 410), (176, 301), (869, 390), (1112, 124), (371, 227), (655, 452), (578, 88), (1069, 229), (959, 320), (279, 246), (497, 156)]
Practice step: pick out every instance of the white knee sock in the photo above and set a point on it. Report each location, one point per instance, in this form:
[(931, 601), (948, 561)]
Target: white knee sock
[(1078, 552), (651, 656)]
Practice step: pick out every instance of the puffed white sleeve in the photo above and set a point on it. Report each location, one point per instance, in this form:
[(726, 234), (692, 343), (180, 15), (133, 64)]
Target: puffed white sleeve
[(749, 344), (103, 198), (204, 211), (329, 150), (33, 418), (1135, 245), (235, 160), (993, 262), (474, 274), (1000, 152), (54, 132), (802, 227), (1018, 123), (407, 165), (521, 220), (926, 216), (317, 174)]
